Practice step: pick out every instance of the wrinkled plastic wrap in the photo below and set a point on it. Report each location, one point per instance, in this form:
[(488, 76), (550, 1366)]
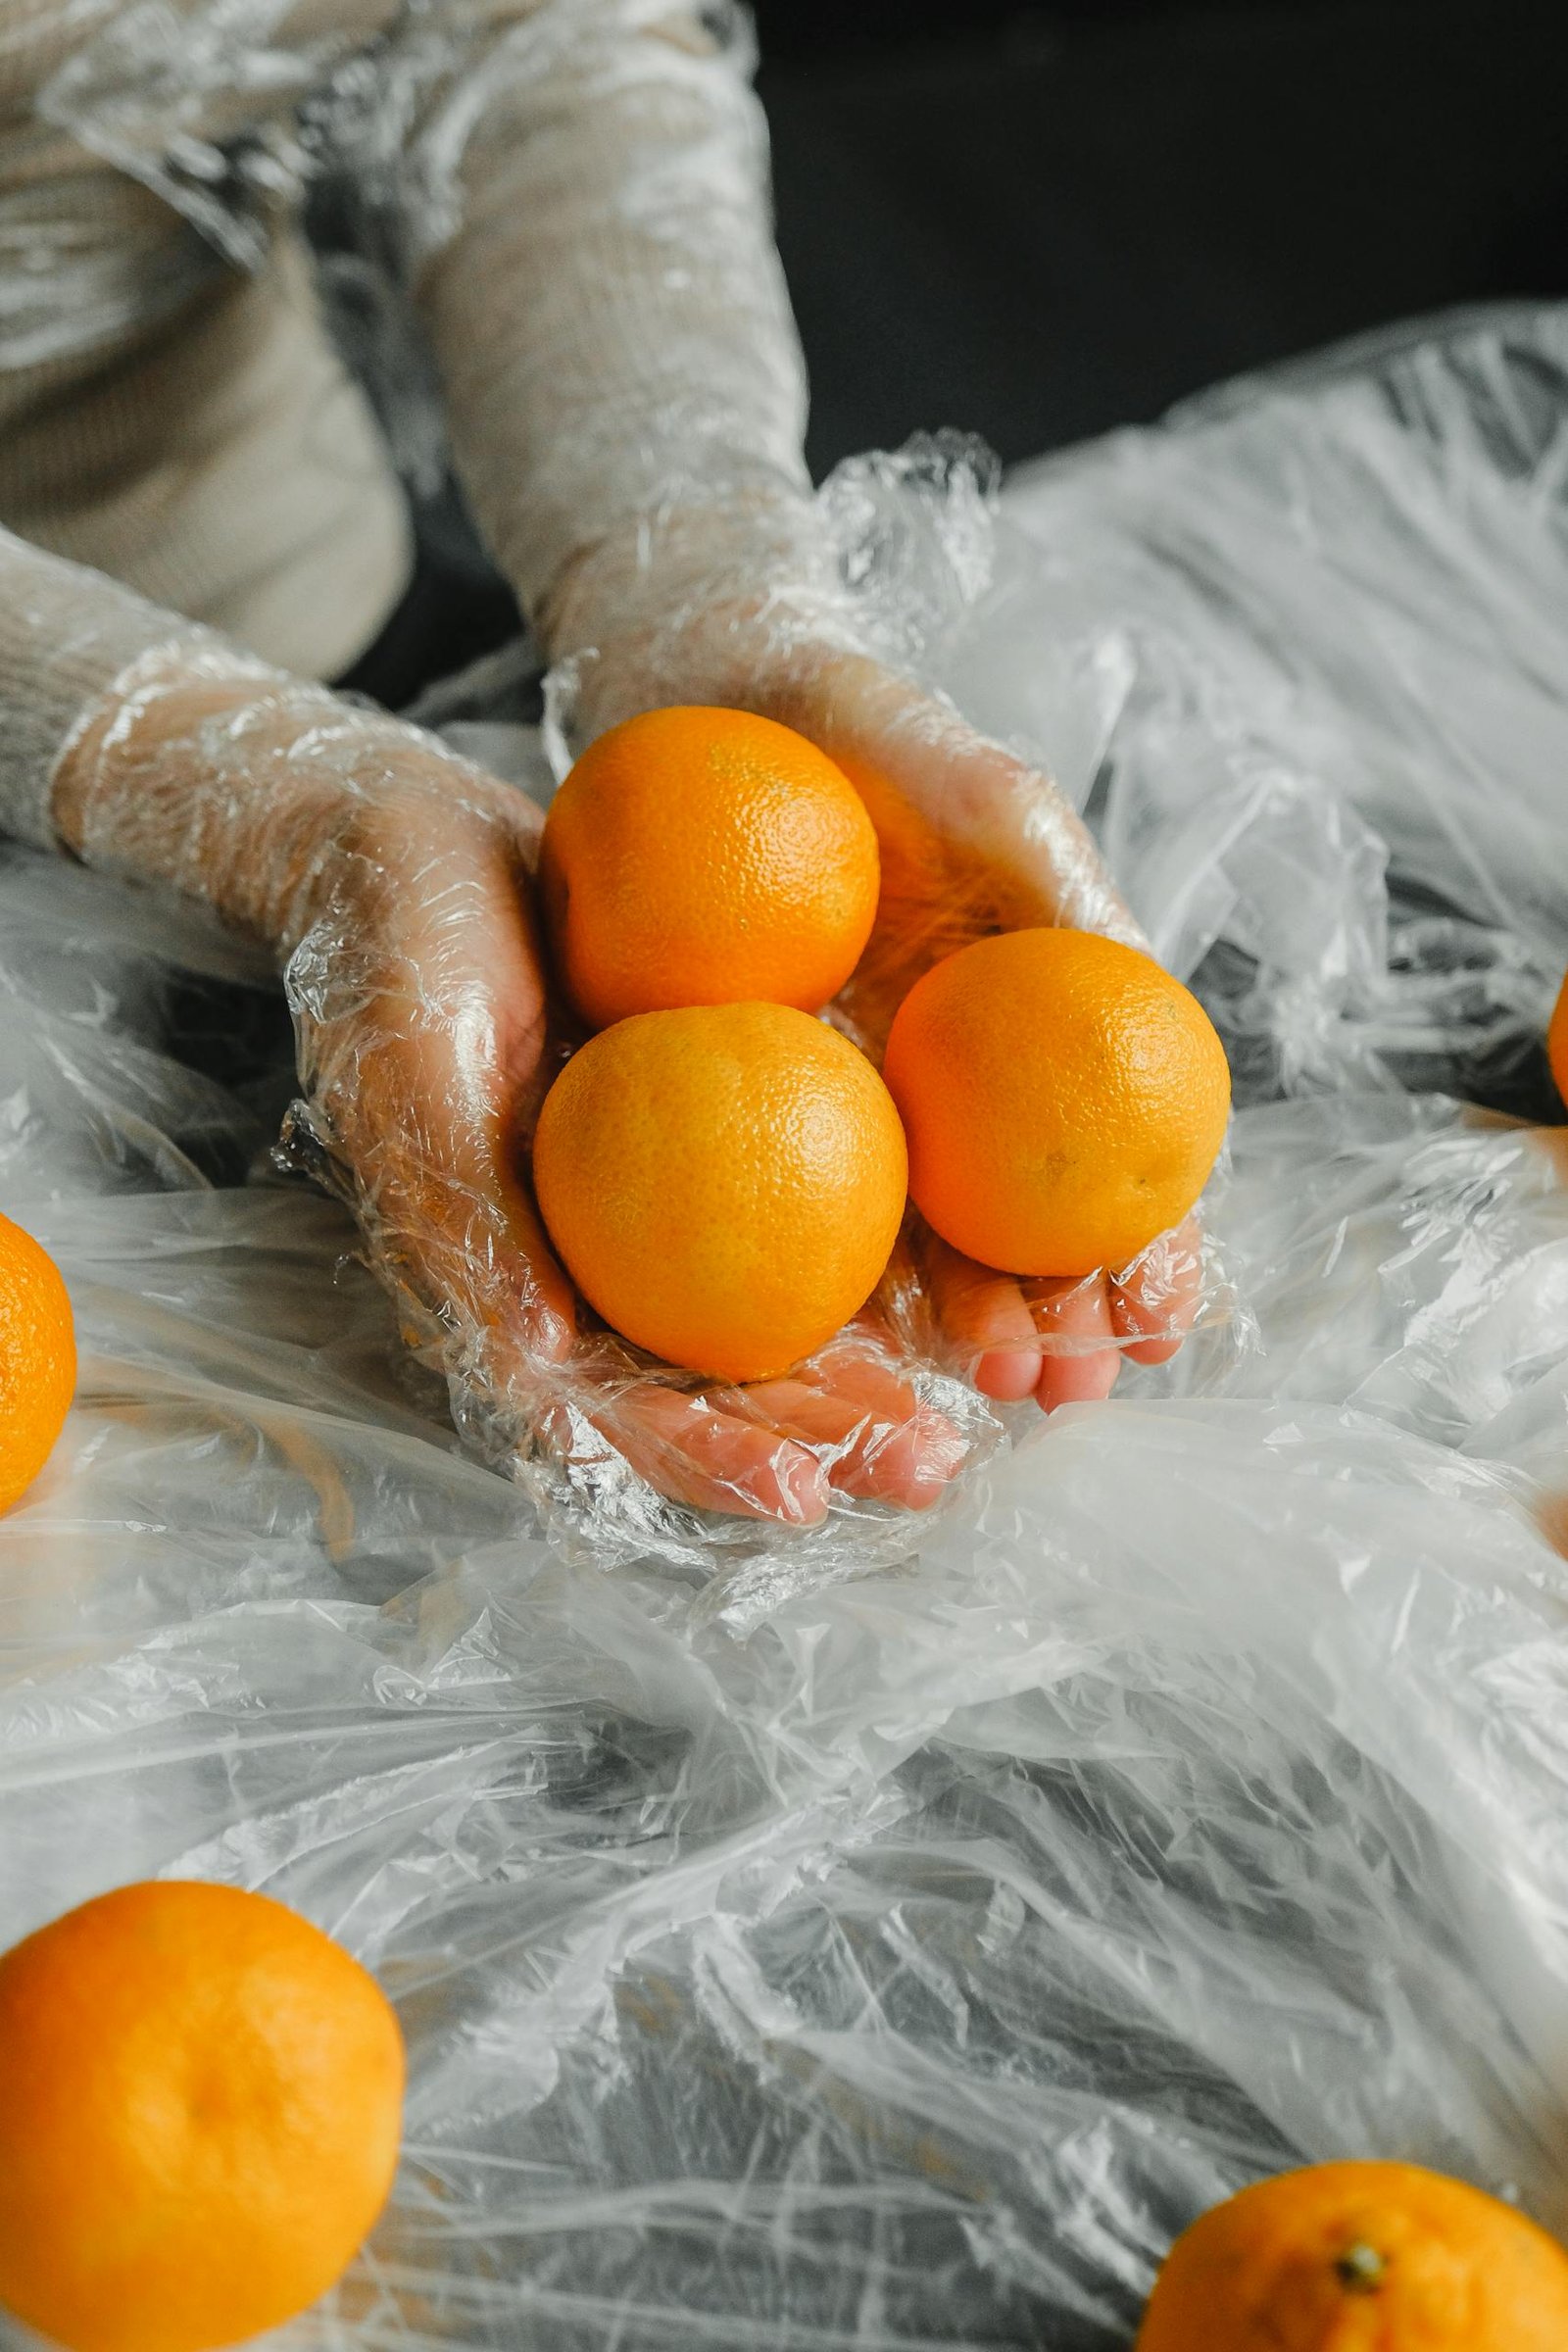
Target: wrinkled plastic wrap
[(898, 1962), (389, 879)]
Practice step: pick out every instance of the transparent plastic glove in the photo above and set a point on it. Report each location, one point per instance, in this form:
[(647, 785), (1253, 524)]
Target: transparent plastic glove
[(973, 840), (394, 881)]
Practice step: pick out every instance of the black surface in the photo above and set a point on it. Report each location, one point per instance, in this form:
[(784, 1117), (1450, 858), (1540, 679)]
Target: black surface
[(455, 608), (1038, 225)]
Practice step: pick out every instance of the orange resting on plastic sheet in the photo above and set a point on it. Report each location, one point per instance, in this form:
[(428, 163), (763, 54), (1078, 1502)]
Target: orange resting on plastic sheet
[(1360, 2258), (199, 2120), (37, 1359), (1557, 1041), (1064, 1099), (724, 1184), (706, 856)]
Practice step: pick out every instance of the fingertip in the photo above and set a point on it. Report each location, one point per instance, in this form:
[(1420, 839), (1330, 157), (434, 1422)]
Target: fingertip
[(984, 1313), (778, 1480), (1077, 1379), (914, 1463), (1155, 1303), (1007, 1375), (712, 1460), (802, 1484), (937, 1453)]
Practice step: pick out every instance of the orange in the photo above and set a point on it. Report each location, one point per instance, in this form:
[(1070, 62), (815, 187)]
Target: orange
[(1557, 1041), (199, 2111), (1064, 1096), (37, 1359), (1360, 2258), (705, 857), (724, 1184)]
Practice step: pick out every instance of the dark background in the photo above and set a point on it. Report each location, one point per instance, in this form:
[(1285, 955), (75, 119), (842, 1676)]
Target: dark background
[(1037, 223)]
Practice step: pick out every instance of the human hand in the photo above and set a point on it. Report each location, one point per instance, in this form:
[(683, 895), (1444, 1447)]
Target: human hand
[(973, 840), (395, 881), (426, 1050)]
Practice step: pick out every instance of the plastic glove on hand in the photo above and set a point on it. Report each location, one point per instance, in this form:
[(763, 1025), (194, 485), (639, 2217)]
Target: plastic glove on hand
[(396, 881), (973, 840), (424, 1028)]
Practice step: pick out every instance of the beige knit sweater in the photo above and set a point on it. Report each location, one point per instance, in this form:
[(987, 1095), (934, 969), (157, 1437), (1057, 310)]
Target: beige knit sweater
[(573, 193)]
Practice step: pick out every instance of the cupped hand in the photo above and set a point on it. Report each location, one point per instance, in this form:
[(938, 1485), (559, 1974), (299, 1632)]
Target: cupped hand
[(426, 1046), (394, 881), (973, 840)]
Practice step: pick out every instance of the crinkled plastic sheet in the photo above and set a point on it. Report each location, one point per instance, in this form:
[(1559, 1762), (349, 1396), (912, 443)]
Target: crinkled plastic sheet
[(900, 1963)]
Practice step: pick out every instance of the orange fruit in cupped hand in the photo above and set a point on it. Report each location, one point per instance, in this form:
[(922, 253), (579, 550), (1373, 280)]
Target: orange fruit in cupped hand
[(1064, 1099), (37, 1359), (1360, 2257), (724, 1184), (199, 2118), (706, 856)]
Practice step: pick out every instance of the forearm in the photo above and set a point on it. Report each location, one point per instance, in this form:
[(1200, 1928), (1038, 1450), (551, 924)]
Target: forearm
[(150, 747), (225, 779), (66, 635), (607, 309)]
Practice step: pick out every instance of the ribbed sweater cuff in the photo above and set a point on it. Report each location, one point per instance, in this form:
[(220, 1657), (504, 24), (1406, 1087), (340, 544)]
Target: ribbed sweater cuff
[(66, 635)]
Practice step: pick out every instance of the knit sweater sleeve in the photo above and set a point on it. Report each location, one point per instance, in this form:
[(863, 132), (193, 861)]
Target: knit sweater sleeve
[(588, 231), (66, 635), (579, 189)]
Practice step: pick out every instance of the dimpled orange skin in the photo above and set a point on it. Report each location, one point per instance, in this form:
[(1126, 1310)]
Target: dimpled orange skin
[(706, 856), (37, 1359), (1064, 1099), (724, 1184), (1360, 2257), (199, 2118), (1558, 1042)]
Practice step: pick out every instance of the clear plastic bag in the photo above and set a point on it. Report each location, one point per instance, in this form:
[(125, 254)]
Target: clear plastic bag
[(884, 1963)]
